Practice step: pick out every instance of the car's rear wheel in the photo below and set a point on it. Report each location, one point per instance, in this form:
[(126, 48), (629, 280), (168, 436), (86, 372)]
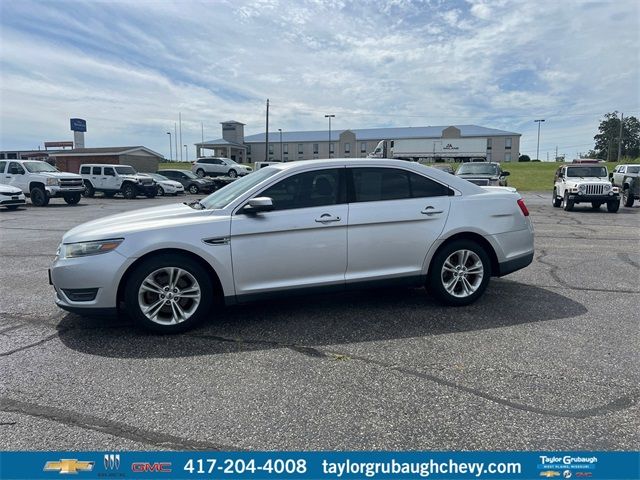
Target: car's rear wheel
[(200, 172), (459, 273), (556, 201), (169, 293), (193, 188), (627, 197), (39, 197)]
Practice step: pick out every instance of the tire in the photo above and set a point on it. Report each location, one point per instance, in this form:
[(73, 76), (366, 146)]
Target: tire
[(627, 198), (193, 189), (441, 274), (596, 205), (567, 204), (128, 191), (191, 275), (12, 207), (39, 197), (89, 191), (232, 173), (200, 172), (613, 206), (160, 191), (72, 199), (556, 201)]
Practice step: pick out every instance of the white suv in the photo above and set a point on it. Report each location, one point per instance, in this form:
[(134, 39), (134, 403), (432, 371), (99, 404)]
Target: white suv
[(584, 183), (41, 181), (207, 166), (113, 179), (299, 226)]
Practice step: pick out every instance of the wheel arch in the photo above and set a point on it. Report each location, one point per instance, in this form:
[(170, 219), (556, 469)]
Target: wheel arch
[(215, 279), (35, 183), (474, 237)]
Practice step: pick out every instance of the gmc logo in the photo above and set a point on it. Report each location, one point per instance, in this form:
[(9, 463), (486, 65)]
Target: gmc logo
[(140, 467)]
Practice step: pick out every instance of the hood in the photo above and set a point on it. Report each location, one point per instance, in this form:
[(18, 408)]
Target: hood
[(123, 224), (477, 175), (173, 183), (588, 180), (9, 189), (58, 175)]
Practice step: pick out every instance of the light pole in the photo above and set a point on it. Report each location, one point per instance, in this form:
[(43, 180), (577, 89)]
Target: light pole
[(538, 147), (170, 149), (329, 117), (186, 153), (280, 130)]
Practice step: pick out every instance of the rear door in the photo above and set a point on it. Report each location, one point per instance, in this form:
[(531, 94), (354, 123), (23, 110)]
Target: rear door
[(395, 216)]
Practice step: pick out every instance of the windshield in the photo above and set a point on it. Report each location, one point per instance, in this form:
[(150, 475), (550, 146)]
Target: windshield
[(478, 169), (157, 176), (190, 174), (36, 167), (126, 170), (223, 197), (586, 172), (633, 169)]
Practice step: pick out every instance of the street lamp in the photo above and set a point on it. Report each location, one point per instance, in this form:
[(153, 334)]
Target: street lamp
[(538, 147), (280, 130), (170, 149), (329, 117), (186, 153)]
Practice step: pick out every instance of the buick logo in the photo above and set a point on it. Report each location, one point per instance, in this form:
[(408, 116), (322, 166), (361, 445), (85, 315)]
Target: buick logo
[(111, 461)]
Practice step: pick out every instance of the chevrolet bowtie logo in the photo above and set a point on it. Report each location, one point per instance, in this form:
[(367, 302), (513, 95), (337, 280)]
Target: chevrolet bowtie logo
[(68, 466), (549, 474)]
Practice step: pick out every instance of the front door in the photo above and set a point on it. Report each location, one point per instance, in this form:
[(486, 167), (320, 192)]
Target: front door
[(301, 243), (395, 218), (109, 179), (16, 176)]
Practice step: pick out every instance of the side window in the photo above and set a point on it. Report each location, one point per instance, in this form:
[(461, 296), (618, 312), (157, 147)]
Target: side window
[(85, 170), (305, 190), (2, 166), (216, 162), (425, 187), (109, 171), (16, 168), (376, 184), (96, 170)]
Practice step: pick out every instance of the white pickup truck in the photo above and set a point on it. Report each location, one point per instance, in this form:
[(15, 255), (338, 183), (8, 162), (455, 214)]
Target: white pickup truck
[(41, 181)]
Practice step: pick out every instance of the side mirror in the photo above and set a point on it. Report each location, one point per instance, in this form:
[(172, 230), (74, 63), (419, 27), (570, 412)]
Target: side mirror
[(611, 176), (506, 174), (258, 204)]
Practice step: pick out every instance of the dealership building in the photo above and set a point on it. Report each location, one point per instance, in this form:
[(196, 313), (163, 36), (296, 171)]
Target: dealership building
[(449, 143)]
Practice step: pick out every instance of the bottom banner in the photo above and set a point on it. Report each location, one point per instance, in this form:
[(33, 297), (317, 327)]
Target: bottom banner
[(321, 465)]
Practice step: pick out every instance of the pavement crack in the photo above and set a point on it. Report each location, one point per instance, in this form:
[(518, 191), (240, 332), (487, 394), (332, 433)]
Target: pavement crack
[(46, 339), (628, 260), (109, 427)]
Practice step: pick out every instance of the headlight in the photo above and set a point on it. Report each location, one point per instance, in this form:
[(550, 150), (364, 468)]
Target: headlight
[(607, 187), (52, 181), (582, 187), (82, 249)]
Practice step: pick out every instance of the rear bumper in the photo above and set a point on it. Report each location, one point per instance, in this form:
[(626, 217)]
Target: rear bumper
[(510, 266)]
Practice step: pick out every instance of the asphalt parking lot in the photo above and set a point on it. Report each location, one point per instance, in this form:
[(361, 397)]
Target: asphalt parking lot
[(548, 359)]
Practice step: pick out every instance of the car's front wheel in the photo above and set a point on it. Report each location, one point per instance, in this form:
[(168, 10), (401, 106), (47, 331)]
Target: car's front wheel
[(613, 206), (169, 293), (39, 197), (556, 201), (459, 273), (232, 173), (73, 198), (193, 188), (567, 203), (128, 191), (627, 197), (160, 191)]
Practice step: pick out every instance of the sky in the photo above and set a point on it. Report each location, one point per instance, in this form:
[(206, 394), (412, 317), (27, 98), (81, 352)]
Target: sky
[(129, 68)]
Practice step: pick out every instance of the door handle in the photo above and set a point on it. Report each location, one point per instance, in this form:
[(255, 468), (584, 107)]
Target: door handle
[(430, 211), (326, 218)]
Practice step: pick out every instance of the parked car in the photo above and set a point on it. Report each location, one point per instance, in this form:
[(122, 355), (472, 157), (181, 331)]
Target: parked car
[(483, 173), (283, 229), (189, 180), (584, 183), (627, 178), (444, 167), (165, 186), (41, 181), (216, 166), (11, 197), (114, 179)]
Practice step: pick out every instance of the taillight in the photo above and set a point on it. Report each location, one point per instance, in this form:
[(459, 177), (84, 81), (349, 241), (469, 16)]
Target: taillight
[(523, 207)]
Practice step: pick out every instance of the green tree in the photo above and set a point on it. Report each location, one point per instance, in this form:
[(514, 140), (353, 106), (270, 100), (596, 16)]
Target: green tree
[(524, 158), (607, 138)]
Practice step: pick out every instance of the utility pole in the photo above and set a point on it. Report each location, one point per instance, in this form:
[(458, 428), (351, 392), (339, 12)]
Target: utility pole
[(281, 157), (175, 138), (180, 120), (556, 159), (547, 156), (538, 147), (266, 137), (329, 117), (620, 137), (186, 152), (170, 154), (202, 126)]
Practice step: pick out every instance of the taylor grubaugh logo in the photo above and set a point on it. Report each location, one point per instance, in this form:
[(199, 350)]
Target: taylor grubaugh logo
[(68, 466)]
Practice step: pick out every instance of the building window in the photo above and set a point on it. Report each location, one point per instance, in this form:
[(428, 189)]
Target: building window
[(331, 148), (489, 143), (248, 149), (300, 149), (347, 148), (271, 149), (507, 143), (488, 156), (363, 147), (285, 148), (315, 148), (507, 157)]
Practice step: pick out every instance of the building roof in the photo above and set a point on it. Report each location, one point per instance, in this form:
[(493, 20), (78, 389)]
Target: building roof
[(79, 152), (221, 142), (373, 134), (233, 121)]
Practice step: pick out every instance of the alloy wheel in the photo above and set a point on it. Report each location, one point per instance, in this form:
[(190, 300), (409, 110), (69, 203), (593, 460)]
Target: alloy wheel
[(169, 295), (462, 273)]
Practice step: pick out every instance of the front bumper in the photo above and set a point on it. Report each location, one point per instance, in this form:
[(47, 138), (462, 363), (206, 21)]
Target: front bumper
[(17, 199), (57, 191), (146, 189), (577, 198)]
